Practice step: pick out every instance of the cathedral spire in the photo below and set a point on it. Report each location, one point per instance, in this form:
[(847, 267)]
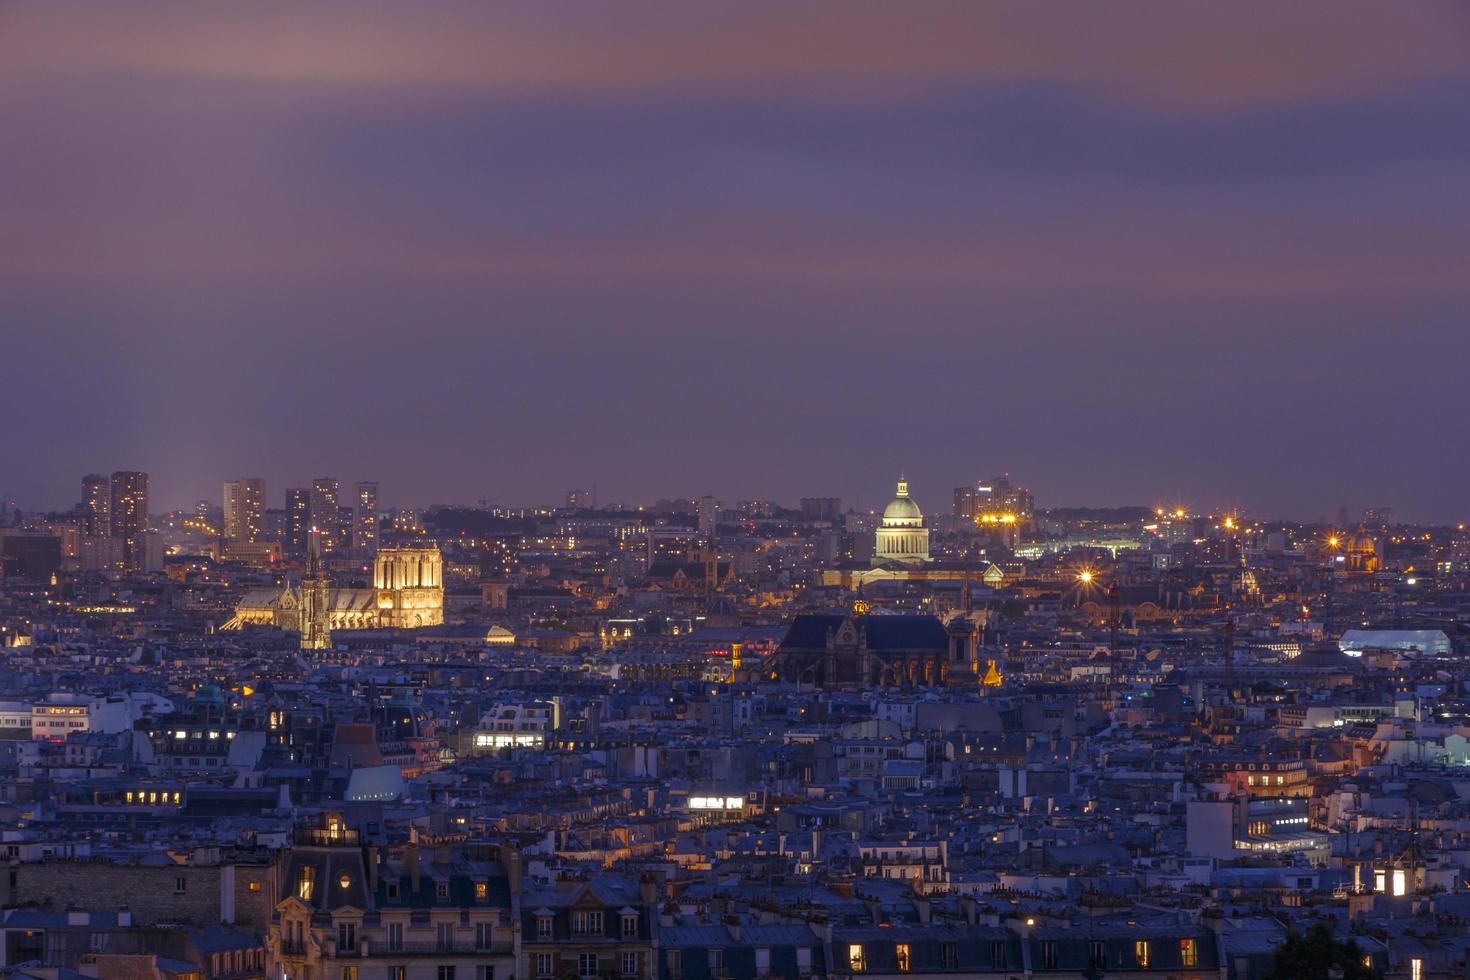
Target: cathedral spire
[(316, 593)]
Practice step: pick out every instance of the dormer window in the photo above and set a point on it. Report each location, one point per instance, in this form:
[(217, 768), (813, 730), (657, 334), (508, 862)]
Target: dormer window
[(543, 927), (392, 888), (630, 926), (587, 922), (306, 883), (441, 889), (482, 890)]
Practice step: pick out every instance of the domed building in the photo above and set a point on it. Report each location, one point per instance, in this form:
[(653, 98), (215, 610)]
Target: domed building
[(902, 537)]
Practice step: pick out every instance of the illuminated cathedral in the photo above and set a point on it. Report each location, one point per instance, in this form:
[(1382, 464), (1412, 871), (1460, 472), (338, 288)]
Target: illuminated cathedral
[(407, 592)]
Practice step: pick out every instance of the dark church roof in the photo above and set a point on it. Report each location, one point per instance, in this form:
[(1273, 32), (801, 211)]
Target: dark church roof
[(885, 633)]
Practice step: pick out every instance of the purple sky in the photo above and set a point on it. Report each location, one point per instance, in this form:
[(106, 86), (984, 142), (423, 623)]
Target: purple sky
[(1216, 253)]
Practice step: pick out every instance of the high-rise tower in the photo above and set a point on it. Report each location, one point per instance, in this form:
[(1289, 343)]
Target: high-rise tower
[(326, 516), (96, 506), (244, 505), (128, 514), (365, 518), (298, 520)]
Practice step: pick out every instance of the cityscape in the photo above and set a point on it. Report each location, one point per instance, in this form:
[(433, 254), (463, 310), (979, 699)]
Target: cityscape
[(704, 490)]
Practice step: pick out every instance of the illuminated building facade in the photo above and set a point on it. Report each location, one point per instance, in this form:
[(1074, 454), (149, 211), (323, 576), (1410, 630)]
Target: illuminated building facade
[(902, 537), (996, 506), (244, 507), (96, 505), (326, 514), (298, 519), (407, 593), (316, 631), (128, 514), (409, 583), (365, 518)]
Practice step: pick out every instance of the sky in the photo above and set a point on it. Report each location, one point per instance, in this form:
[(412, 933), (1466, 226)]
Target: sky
[(1131, 253)]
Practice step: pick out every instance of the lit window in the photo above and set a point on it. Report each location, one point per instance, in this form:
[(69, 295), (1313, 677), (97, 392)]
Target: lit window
[(306, 884), (1140, 953), (1416, 969), (856, 961), (1188, 952), (901, 955)]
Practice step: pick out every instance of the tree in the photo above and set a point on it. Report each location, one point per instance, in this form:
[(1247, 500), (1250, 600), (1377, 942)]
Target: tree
[(1318, 954)]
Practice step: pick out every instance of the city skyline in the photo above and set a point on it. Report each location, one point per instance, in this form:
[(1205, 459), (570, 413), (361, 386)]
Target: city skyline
[(502, 251)]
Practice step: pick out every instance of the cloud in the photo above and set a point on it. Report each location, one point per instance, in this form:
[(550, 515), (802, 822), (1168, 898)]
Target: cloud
[(1178, 54)]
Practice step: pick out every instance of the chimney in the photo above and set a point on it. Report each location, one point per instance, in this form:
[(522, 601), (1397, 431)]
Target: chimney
[(510, 860), (648, 889), (732, 922), (411, 859), (967, 905), (922, 904)]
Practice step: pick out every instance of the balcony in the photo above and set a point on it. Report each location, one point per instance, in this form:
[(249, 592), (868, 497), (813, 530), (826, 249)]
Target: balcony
[(293, 947), (432, 947)]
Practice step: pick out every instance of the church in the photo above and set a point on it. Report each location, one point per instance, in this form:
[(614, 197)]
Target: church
[(868, 650), (407, 593)]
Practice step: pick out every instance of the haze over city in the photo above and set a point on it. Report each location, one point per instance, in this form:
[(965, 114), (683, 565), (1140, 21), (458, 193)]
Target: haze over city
[(734, 490), (1140, 253)]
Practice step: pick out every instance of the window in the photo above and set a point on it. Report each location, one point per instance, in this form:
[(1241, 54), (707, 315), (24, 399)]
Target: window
[(630, 964), (1140, 953), (395, 937), (543, 964), (347, 973), (630, 926), (587, 923), (181, 885), (1416, 969), (484, 973), (901, 957), (1049, 954), (444, 935), (346, 936), (446, 972), (803, 961), (763, 960), (397, 973), (441, 889), (949, 956), (393, 890), (484, 935), (1188, 953), (482, 890), (586, 964), (1097, 953), (543, 927), (997, 953), (254, 886), (676, 964), (306, 883), (716, 962), (857, 962)]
